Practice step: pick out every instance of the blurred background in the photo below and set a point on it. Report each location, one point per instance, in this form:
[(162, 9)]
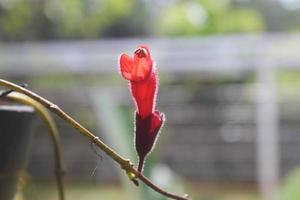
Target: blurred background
[(229, 87)]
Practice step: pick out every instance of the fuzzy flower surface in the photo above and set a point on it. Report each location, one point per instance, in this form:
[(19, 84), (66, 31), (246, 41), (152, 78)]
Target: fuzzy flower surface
[(142, 75)]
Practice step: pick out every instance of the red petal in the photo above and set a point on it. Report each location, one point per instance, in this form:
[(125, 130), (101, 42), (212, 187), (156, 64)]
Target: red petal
[(144, 95), (157, 120), (143, 67), (137, 68), (126, 65)]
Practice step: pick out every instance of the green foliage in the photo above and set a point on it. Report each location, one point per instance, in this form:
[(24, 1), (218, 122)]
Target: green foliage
[(15, 20), (241, 20), (32, 19), (183, 19), (64, 19), (290, 190), (289, 79), (209, 17), (77, 18)]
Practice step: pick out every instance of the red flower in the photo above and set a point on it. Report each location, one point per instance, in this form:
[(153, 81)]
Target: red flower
[(142, 74)]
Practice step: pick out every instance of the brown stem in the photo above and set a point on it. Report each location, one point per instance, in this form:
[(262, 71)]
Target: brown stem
[(141, 164), (160, 190), (124, 163)]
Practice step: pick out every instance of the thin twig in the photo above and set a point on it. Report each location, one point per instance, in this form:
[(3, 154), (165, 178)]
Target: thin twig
[(5, 93), (124, 163), (99, 159), (54, 134), (159, 190)]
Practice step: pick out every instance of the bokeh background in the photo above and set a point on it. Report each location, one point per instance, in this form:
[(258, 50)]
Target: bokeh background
[(229, 87)]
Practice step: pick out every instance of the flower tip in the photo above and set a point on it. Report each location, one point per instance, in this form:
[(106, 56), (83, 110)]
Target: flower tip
[(137, 68), (143, 51)]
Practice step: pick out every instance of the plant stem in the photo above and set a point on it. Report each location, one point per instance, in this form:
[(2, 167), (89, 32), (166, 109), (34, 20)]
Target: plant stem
[(141, 164), (124, 163), (54, 134)]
